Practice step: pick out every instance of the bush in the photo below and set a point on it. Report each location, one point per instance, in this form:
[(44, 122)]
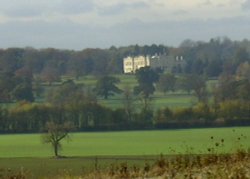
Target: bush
[(183, 114), (234, 110)]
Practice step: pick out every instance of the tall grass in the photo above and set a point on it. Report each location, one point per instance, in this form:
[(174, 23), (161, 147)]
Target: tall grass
[(236, 165)]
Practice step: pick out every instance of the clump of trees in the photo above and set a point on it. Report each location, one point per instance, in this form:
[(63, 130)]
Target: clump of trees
[(15, 87), (106, 86), (146, 77)]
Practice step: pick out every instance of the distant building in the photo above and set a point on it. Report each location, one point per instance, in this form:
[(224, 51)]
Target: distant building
[(167, 63)]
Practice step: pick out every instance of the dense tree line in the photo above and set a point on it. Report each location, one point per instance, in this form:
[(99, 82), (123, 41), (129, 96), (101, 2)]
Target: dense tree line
[(214, 57), (94, 117), (55, 62), (209, 58)]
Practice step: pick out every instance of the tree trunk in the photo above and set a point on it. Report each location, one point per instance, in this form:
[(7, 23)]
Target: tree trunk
[(56, 149)]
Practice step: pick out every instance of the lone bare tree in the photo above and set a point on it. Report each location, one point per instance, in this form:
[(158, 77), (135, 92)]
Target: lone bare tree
[(56, 133)]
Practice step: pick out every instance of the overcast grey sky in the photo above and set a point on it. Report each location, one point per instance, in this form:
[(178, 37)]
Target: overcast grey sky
[(78, 24)]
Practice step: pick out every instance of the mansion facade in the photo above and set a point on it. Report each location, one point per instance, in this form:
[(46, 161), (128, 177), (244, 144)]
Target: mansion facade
[(167, 63)]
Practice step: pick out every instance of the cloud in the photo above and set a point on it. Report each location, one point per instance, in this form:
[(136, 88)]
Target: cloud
[(68, 35), (180, 12), (20, 12), (26, 8), (206, 3), (121, 8), (21, 8), (80, 24), (41, 34), (75, 6), (246, 5)]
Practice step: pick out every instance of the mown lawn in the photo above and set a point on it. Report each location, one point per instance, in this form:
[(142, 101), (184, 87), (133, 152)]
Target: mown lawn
[(158, 101)]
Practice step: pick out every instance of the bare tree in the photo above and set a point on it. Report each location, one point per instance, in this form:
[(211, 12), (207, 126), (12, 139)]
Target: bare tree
[(56, 133)]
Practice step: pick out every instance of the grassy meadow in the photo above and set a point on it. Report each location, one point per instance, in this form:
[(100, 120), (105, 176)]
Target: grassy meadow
[(129, 143), (88, 151)]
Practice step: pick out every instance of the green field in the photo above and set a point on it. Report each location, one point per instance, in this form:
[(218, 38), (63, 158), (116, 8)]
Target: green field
[(88, 151), (128, 143)]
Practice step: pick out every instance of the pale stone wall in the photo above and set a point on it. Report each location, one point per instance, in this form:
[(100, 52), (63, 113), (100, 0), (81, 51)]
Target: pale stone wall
[(140, 62), (167, 63), (128, 65)]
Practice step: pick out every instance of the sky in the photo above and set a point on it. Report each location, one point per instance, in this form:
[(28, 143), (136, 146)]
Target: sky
[(79, 24)]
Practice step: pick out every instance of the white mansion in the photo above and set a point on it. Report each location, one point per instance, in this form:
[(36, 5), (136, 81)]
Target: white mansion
[(165, 62)]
